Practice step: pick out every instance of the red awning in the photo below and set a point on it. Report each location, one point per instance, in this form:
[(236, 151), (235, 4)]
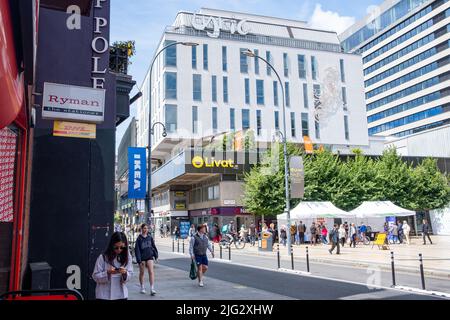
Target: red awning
[(11, 81)]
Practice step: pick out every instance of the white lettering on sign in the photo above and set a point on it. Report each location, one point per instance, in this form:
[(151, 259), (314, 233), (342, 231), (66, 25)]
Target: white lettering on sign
[(74, 280), (137, 171), (100, 45), (73, 22), (218, 24)]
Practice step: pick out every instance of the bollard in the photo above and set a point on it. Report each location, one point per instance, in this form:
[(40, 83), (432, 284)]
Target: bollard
[(220, 251), (173, 245), (422, 275), (292, 257), (183, 246), (229, 252), (307, 259), (393, 269), (178, 245), (278, 255)]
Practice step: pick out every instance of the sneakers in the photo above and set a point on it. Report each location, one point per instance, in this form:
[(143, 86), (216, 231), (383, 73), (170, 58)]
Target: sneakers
[(200, 284), (143, 290), (152, 292), (330, 251)]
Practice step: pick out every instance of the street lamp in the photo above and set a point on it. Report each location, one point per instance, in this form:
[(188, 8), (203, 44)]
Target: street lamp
[(251, 54), (150, 133)]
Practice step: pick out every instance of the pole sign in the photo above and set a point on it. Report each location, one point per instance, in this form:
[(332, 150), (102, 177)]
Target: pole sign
[(297, 175), (137, 173)]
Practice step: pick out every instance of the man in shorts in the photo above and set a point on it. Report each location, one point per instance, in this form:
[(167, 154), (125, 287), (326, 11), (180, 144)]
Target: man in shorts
[(198, 246)]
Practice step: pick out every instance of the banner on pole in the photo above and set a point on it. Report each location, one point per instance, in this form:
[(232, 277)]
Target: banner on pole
[(297, 175), (137, 173)]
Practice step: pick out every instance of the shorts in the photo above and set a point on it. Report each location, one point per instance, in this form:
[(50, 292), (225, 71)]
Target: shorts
[(201, 260)]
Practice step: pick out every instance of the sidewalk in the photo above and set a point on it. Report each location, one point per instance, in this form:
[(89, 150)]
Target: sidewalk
[(174, 284), (436, 257)]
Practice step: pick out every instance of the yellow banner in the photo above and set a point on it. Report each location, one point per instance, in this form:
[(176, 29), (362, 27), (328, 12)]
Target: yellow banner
[(74, 130)]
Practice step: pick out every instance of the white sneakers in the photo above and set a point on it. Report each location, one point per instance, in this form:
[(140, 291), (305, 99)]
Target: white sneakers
[(200, 284), (152, 292), (143, 290)]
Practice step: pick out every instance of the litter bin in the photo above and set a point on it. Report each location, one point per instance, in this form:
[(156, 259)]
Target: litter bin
[(40, 275), (266, 242)]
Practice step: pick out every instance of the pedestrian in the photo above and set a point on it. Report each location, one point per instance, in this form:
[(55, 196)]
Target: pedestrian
[(252, 233), (324, 234), (395, 233), (386, 228), (352, 234), (283, 235), (301, 232), (192, 230), (198, 246), (293, 231), (217, 235), (400, 231), (342, 234), (406, 230), (426, 229), (319, 233), (362, 230), (334, 239), (113, 269), (176, 232), (313, 231), (243, 233), (346, 226), (146, 253)]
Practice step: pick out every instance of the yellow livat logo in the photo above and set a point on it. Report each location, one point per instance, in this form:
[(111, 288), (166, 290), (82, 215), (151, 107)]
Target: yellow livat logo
[(198, 162)]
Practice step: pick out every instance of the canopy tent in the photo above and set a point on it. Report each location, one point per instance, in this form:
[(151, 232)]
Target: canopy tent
[(380, 209), (314, 210)]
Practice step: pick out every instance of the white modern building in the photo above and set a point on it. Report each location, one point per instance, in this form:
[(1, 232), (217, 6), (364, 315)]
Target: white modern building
[(405, 51)]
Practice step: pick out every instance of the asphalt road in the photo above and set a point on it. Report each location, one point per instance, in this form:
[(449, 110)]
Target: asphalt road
[(292, 285)]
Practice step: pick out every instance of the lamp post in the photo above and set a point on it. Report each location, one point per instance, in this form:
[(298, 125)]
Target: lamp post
[(251, 54), (150, 133)]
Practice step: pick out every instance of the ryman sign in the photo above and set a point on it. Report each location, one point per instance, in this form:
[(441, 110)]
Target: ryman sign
[(73, 103), (218, 24)]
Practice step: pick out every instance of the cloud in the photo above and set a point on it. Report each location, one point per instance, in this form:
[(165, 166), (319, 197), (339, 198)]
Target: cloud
[(329, 20)]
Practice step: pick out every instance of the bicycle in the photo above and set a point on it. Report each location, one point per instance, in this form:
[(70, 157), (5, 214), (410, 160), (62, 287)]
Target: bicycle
[(366, 241), (228, 240)]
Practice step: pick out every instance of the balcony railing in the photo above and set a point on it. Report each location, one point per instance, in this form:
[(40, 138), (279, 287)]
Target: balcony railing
[(118, 60)]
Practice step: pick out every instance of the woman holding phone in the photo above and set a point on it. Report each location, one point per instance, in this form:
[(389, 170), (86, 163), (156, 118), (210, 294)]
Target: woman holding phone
[(113, 270), (146, 252)]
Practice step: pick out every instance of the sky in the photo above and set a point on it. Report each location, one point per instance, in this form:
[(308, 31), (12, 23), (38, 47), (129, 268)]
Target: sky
[(144, 21)]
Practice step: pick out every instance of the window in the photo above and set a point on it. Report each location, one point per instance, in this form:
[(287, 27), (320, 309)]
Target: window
[(256, 61), (194, 57), (341, 63), (245, 119), (317, 127), (305, 96), (277, 120), (171, 118), (213, 192), (301, 66), (275, 93), (232, 120), (288, 95), (268, 58), (344, 97), (286, 64), (305, 125), (316, 93), (214, 88), (170, 80), (214, 119), (244, 61), (258, 122), (205, 57), (225, 89), (314, 67), (224, 59), (170, 55), (197, 87), (260, 91), (194, 119), (293, 124), (347, 134), (247, 91)]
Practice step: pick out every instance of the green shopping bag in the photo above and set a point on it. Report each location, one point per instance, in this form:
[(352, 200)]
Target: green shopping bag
[(193, 272)]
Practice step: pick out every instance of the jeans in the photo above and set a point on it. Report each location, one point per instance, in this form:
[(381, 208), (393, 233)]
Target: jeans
[(324, 240), (427, 235), (302, 237), (335, 245)]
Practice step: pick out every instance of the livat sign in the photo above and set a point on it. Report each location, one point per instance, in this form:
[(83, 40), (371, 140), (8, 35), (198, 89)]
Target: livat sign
[(100, 45), (217, 24)]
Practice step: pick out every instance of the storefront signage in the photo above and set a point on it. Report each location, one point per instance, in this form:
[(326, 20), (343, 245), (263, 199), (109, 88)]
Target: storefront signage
[(73, 103), (100, 46), (199, 162), (74, 130), (180, 194), (137, 173), (8, 145), (297, 177), (180, 205), (218, 24), (229, 202)]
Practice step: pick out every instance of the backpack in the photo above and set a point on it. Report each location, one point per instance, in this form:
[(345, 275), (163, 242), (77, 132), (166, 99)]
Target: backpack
[(225, 229)]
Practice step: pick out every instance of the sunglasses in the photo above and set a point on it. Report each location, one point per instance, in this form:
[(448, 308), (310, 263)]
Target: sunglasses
[(121, 248)]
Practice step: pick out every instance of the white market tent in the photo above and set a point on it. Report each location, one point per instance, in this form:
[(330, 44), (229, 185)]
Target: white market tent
[(315, 210), (380, 209)]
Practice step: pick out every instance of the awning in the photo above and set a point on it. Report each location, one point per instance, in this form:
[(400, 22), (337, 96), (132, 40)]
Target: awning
[(379, 209), (314, 210)]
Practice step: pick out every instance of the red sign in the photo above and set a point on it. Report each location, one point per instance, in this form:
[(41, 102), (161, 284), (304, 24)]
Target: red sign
[(8, 144)]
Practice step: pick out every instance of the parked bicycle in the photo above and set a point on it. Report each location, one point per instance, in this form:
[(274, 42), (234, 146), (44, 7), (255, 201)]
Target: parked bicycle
[(363, 240), (228, 239)]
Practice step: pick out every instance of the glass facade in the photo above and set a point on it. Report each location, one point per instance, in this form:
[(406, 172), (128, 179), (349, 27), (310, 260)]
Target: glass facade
[(170, 55), (260, 92), (170, 81), (256, 61), (269, 59), (197, 87), (205, 57), (225, 89), (305, 96), (224, 59), (305, 124), (275, 93), (245, 119), (243, 60), (194, 119), (277, 120), (258, 122), (314, 69), (171, 118), (247, 91), (288, 94), (214, 88), (286, 64), (214, 119), (194, 57), (301, 66), (293, 131), (232, 120)]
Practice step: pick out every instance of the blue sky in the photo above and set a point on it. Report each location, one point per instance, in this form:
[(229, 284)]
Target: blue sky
[(145, 20)]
